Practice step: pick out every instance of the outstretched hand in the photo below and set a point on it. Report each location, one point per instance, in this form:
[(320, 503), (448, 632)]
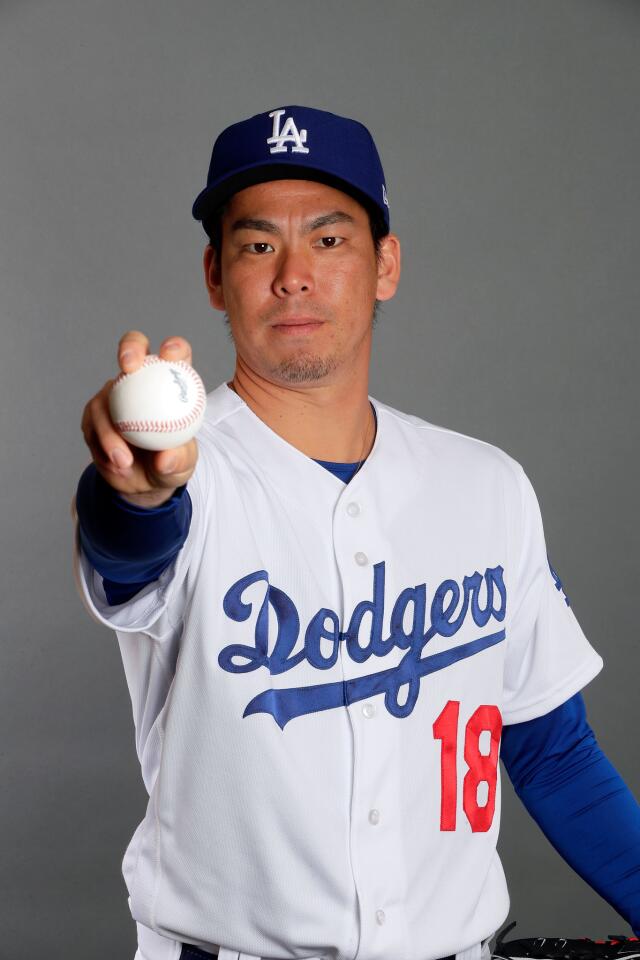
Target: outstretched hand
[(143, 477)]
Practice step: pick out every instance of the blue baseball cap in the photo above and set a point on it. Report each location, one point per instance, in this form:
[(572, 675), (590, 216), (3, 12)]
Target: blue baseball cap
[(295, 143)]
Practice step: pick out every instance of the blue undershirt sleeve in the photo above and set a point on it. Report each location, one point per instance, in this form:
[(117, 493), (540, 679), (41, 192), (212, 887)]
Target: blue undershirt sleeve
[(129, 546), (580, 802)]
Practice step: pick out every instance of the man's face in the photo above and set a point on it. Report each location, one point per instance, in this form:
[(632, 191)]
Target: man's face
[(298, 278)]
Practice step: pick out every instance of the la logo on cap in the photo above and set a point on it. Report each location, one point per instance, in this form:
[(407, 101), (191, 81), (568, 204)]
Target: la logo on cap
[(289, 134)]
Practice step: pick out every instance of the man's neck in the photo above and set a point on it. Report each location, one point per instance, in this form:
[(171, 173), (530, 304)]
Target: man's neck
[(325, 422)]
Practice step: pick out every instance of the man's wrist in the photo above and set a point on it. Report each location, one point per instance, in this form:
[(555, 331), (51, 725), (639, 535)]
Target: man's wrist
[(148, 501)]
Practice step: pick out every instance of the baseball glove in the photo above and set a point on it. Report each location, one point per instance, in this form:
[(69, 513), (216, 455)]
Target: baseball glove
[(559, 948)]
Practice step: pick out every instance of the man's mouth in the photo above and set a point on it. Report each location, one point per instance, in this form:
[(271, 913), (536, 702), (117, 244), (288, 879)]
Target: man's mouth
[(298, 325)]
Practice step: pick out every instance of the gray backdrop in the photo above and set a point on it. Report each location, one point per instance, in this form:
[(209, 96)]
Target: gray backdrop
[(509, 134)]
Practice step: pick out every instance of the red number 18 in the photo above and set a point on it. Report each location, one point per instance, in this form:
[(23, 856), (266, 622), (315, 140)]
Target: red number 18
[(483, 767)]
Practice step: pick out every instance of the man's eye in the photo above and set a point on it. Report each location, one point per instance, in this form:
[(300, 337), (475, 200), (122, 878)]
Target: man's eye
[(259, 247), (328, 242)]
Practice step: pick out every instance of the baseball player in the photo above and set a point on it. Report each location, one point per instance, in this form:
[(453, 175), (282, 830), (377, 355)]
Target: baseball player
[(334, 617)]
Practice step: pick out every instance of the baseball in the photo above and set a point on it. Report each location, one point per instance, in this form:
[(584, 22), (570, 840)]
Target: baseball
[(160, 405)]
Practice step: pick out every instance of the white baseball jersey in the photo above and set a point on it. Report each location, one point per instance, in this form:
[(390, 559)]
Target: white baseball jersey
[(319, 683)]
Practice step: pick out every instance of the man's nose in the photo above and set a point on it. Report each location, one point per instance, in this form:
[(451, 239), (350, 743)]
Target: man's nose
[(294, 274)]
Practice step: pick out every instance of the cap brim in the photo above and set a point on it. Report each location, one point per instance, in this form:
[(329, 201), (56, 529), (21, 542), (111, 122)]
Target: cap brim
[(212, 198)]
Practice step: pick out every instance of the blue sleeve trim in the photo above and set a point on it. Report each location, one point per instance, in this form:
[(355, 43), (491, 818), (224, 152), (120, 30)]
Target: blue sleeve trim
[(580, 801), (129, 546)]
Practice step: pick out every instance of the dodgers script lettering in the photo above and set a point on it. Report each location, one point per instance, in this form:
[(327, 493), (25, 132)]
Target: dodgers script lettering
[(483, 596)]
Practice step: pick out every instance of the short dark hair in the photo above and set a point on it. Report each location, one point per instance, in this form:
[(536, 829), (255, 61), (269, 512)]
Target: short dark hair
[(213, 228)]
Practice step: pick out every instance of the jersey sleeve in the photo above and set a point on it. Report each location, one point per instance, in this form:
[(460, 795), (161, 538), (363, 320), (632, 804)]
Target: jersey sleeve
[(548, 657), (129, 546), (156, 609)]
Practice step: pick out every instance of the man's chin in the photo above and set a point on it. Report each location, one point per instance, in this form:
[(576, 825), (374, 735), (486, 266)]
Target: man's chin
[(305, 368)]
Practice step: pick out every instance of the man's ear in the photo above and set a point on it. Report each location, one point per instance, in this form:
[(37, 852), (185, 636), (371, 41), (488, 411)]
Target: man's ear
[(388, 267), (213, 278)]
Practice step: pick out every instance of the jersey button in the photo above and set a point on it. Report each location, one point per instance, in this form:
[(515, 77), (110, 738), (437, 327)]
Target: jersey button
[(374, 817), (380, 917), (369, 710), (353, 509), (361, 559)]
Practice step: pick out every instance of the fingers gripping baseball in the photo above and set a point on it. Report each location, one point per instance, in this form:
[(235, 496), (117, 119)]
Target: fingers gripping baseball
[(146, 476), (176, 348), (134, 347)]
